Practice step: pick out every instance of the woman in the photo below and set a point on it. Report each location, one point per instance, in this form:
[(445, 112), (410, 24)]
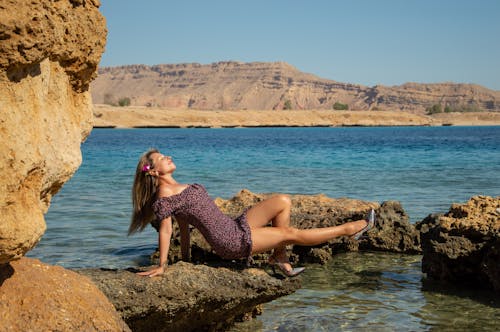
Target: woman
[(157, 196)]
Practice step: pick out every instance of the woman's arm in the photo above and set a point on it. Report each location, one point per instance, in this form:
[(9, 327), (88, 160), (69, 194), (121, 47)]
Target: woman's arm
[(185, 239), (164, 235)]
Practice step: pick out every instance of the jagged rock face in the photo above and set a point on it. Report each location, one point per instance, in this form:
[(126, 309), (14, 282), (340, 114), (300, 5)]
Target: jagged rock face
[(39, 297), (188, 297), (49, 52), (393, 233), (462, 246), (266, 86), (414, 96)]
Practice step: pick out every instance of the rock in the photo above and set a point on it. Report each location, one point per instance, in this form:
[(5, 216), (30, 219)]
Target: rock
[(70, 33), (462, 246), (39, 297), (188, 297), (49, 53), (394, 232)]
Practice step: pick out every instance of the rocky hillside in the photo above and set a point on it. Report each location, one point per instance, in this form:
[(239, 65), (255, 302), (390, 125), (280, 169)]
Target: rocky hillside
[(266, 86)]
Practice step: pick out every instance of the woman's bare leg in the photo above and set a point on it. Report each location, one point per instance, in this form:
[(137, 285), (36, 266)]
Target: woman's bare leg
[(267, 238), (277, 210)]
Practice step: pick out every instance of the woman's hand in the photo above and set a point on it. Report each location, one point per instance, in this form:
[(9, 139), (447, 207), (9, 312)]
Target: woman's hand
[(153, 272)]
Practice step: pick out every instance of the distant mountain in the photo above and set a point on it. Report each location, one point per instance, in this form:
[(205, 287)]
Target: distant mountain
[(271, 86)]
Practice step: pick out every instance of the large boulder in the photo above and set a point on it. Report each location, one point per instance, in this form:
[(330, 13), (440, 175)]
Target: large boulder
[(39, 297), (188, 297), (49, 53), (394, 232), (463, 246)]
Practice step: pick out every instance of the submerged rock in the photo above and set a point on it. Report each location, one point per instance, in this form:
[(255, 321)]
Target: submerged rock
[(38, 297), (188, 297), (463, 245)]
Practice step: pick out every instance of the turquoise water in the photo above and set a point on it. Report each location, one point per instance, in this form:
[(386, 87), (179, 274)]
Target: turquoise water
[(426, 168)]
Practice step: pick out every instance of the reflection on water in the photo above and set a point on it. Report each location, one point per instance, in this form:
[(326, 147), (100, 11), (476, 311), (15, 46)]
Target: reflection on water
[(376, 292)]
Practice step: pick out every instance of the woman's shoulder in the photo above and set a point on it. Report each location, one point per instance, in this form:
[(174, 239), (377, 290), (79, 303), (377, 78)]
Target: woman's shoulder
[(165, 191), (173, 190), (167, 198)]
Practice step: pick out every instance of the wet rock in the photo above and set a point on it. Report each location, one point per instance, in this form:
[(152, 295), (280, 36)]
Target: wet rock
[(40, 297), (462, 246), (188, 297)]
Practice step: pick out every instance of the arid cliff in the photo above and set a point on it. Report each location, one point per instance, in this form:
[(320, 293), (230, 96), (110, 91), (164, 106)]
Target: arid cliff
[(271, 86)]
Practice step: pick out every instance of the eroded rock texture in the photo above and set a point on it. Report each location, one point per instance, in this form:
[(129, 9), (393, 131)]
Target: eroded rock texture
[(49, 51), (463, 245)]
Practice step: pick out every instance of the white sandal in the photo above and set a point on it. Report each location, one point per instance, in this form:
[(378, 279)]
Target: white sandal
[(370, 219)]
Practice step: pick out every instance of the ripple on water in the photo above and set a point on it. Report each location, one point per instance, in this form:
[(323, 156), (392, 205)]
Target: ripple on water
[(376, 292)]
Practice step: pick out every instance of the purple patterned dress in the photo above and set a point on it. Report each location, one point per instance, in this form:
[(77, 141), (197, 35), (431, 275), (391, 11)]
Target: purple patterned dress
[(229, 238)]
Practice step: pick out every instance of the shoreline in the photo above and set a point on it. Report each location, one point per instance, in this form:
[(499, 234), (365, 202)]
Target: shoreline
[(142, 117)]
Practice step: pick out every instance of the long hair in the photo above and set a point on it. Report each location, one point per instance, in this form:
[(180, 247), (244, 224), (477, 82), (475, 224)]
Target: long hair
[(143, 194)]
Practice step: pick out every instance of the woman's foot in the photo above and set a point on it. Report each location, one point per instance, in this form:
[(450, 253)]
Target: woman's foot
[(370, 223), (285, 267)]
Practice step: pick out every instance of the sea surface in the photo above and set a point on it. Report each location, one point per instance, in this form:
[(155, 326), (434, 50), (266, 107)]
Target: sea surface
[(425, 168)]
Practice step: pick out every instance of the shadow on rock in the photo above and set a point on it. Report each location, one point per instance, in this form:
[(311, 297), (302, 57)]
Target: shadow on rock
[(6, 271)]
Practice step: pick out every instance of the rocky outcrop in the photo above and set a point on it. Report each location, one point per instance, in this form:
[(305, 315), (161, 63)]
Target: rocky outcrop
[(49, 53), (271, 86), (39, 297), (394, 232), (463, 245), (188, 297)]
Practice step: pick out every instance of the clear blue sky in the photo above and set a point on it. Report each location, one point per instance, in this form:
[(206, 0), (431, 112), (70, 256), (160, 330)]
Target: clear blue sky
[(367, 42)]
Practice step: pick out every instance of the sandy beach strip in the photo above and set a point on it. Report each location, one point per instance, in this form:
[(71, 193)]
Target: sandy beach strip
[(143, 117)]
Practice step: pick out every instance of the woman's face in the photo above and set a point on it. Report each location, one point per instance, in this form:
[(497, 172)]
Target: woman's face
[(162, 164)]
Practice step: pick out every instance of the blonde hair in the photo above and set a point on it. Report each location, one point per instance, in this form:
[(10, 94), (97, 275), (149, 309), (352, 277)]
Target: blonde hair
[(143, 194)]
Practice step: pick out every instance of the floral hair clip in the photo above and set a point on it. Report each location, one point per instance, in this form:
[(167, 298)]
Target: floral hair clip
[(146, 168)]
